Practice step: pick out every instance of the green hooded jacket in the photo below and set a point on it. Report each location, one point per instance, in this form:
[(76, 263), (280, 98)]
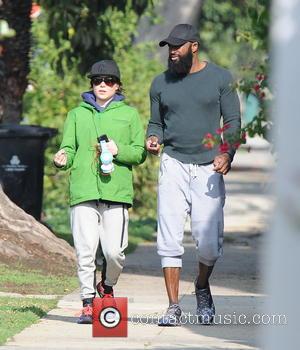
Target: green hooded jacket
[(83, 125)]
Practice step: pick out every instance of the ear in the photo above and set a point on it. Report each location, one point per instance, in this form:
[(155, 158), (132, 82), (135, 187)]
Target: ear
[(195, 46)]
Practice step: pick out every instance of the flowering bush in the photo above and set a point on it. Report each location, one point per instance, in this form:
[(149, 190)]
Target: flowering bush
[(225, 144), (260, 125), (235, 35)]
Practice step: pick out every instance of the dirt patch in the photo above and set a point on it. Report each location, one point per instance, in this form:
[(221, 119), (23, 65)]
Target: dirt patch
[(47, 265), (28, 288)]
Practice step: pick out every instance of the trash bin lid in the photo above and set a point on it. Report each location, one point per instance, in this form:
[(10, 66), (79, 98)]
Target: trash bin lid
[(26, 131)]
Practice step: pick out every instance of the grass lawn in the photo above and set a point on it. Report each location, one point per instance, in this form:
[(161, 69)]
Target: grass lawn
[(18, 313), (138, 230)]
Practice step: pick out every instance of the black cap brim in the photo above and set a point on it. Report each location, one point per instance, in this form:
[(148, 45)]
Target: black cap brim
[(91, 76), (172, 41)]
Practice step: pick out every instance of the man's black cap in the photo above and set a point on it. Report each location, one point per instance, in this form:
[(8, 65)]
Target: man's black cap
[(105, 67), (181, 34)]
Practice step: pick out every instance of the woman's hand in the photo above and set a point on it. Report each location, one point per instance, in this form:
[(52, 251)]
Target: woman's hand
[(60, 158)]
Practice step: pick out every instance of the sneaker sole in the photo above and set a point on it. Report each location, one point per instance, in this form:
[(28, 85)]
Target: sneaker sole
[(205, 322), (85, 322), (169, 325)]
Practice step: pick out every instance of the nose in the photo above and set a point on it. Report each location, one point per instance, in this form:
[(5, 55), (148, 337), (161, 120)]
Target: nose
[(172, 49)]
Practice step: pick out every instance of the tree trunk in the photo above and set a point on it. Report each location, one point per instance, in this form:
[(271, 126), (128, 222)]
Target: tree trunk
[(14, 58), (24, 240)]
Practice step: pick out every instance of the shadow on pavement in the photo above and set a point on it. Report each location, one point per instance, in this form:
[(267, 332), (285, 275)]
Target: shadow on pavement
[(61, 318)]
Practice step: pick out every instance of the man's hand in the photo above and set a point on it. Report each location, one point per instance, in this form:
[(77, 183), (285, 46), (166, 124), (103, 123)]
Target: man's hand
[(112, 147), (60, 158), (152, 145), (222, 163)]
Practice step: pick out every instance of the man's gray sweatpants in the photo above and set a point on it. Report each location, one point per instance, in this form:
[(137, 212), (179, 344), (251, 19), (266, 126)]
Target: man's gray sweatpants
[(93, 222), (195, 190)]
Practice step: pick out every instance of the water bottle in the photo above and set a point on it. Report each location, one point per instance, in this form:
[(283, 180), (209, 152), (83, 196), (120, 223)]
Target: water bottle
[(106, 158)]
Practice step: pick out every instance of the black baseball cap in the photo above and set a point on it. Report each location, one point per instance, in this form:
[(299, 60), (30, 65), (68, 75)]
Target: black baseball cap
[(105, 67), (181, 34)]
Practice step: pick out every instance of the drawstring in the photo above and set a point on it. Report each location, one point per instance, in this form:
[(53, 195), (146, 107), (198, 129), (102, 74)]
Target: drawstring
[(193, 170)]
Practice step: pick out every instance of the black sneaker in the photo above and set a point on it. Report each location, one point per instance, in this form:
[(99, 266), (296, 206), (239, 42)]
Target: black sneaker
[(171, 318), (205, 306)]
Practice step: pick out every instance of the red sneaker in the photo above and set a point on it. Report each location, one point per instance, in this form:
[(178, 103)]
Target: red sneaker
[(101, 290), (108, 295), (86, 316)]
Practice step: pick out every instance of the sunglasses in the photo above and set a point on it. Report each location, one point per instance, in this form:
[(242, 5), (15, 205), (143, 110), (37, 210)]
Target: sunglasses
[(109, 81)]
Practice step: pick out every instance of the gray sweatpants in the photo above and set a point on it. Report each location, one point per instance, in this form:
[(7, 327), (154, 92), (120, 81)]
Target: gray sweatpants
[(195, 190), (92, 223)]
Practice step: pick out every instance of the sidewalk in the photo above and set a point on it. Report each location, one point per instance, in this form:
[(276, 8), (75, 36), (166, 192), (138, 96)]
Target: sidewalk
[(235, 286)]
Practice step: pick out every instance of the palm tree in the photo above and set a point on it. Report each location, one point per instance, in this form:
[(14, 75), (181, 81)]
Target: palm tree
[(14, 58)]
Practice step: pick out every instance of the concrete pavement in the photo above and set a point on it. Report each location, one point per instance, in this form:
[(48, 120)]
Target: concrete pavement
[(235, 284)]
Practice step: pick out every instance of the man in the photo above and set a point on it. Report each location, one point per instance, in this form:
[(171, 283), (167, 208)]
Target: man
[(101, 193), (187, 102)]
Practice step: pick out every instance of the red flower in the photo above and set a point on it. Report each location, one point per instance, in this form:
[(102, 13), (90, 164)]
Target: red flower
[(220, 130), (243, 136), (209, 145), (209, 136), (256, 87), (260, 77), (224, 147), (236, 145)]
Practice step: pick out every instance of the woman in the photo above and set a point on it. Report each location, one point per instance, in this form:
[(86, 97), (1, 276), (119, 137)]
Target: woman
[(99, 202)]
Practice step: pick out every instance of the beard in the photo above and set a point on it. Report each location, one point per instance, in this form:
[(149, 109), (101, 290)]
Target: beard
[(183, 65)]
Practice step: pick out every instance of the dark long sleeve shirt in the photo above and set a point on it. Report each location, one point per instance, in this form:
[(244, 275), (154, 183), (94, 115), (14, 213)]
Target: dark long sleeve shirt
[(184, 110)]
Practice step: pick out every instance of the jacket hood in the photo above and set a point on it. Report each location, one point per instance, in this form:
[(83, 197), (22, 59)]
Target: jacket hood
[(90, 98)]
